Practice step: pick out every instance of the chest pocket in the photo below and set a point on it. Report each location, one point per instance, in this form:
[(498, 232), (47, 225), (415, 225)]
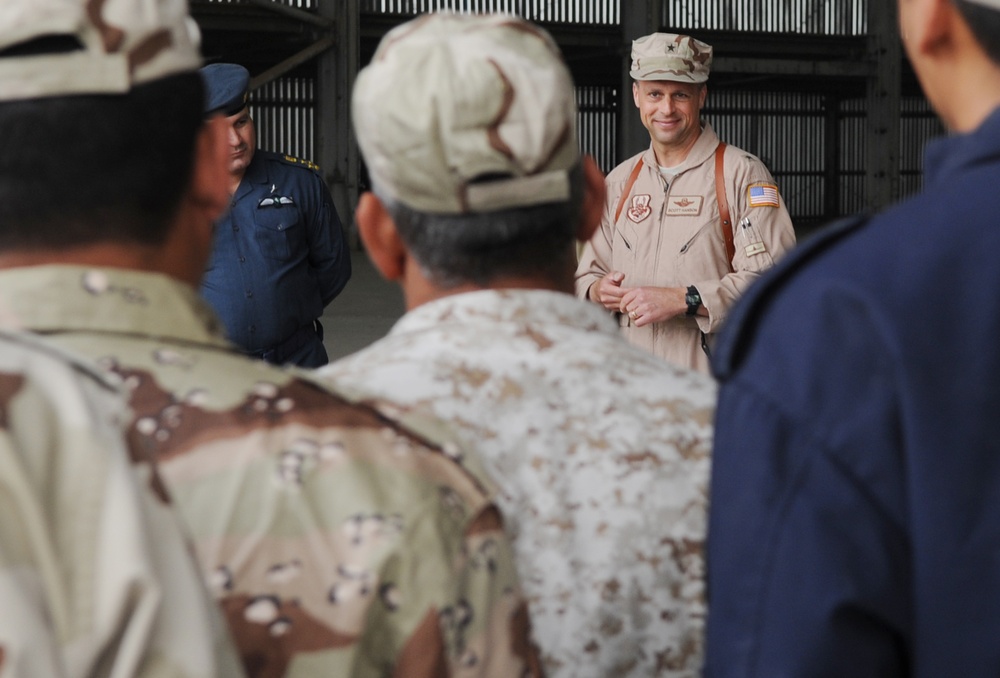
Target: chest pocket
[(623, 247), (279, 231)]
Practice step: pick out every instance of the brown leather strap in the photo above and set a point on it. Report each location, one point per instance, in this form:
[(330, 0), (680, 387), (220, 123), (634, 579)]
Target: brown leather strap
[(720, 196), (628, 187)]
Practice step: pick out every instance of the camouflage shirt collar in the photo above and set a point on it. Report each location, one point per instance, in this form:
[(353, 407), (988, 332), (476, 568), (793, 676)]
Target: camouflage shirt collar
[(521, 306), (56, 299)]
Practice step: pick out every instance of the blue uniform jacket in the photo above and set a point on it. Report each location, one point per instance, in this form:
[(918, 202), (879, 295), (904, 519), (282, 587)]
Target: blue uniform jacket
[(279, 254), (855, 501)]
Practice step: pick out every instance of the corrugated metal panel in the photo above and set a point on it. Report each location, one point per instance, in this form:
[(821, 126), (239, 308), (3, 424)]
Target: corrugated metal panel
[(786, 131), (557, 11), (284, 112), (825, 17), (597, 124), (301, 4)]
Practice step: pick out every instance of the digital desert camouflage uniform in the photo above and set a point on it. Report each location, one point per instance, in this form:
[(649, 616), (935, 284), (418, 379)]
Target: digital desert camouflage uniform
[(601, 452), (337, 543), (95, 576)]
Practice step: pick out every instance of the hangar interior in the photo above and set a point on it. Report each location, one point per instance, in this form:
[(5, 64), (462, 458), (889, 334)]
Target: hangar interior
[(820, 90)]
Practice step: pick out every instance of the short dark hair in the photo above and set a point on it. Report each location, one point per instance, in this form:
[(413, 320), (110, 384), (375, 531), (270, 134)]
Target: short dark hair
[(79, 170), (480, 248), (985, 26)]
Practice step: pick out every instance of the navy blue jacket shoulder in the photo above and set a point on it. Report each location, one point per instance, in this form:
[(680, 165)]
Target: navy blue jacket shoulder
[(855, 515)]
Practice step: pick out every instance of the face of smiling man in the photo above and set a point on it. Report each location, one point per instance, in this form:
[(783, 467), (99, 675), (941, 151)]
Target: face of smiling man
[(671, 112)]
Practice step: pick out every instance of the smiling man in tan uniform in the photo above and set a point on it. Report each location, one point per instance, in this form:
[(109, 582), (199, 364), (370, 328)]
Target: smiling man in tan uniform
[(661, 259)]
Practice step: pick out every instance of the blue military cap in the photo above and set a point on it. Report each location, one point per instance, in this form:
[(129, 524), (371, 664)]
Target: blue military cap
[(227, 87)]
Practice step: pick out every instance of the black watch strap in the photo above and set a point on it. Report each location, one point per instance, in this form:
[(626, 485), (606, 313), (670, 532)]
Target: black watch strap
[(693, 301)]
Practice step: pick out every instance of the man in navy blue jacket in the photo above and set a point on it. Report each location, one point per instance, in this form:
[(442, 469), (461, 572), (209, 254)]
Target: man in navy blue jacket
[(279, 255), (855, 513)]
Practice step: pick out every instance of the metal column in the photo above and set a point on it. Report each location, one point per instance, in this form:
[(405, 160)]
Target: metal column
[(338, 151), (639, 18), (883, 93)]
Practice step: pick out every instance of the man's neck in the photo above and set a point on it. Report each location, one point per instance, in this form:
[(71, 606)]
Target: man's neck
[(672, 156), (234, 182), (418, 289)]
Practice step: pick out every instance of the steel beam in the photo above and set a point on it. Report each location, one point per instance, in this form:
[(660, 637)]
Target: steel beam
[(884, 113)]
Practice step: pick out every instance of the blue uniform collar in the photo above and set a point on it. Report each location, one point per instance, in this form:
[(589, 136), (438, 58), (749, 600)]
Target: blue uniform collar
[(944, 156), (256, 174)]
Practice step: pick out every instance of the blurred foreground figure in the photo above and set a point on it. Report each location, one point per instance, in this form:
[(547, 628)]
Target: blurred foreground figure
[(95, 576), (600, 449), (337, 542), (855, 515)]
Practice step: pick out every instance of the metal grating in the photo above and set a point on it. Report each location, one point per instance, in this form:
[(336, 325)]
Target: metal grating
[(786, 131), (789, 133), (300, 4), (823, 17), (597, 124), (601, 12), (284, 112)]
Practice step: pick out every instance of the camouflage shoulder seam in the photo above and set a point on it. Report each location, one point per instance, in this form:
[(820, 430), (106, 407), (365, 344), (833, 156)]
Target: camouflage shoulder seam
[(430, 431), (79, 363)]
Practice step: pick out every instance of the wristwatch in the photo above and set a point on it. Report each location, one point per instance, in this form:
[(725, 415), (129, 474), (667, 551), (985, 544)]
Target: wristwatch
[(693, 300)]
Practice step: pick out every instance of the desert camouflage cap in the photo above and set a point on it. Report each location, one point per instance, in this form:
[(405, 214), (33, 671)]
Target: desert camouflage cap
[(463, 113), (114, 45), (668, 56)]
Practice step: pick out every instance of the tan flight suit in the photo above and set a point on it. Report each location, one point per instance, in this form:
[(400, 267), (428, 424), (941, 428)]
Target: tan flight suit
[(670, 236)]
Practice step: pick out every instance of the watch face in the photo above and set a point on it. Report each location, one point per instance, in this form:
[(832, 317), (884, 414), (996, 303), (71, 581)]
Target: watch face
[(692, 299)]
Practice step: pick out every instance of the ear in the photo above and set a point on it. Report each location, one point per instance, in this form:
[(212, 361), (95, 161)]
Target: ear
[(926, 25), (702, 95), (378, 233), (635, 93), (594, 196), (210, 179)]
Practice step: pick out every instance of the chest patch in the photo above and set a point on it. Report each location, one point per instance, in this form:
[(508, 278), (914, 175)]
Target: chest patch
[(684, 205), (639, 208)]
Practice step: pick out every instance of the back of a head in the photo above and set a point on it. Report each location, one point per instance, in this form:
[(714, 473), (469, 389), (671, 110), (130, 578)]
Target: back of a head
[(468, 126), (100, 103)]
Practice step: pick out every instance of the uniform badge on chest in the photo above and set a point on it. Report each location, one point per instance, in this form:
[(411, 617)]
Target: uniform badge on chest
[(639, 209), (684, 205)]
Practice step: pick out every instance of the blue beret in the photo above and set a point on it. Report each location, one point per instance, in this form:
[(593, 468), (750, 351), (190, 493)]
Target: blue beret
[(226, 88)]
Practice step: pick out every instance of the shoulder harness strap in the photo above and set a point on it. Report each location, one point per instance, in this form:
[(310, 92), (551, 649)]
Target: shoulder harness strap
[(628, 188), (720, 197)]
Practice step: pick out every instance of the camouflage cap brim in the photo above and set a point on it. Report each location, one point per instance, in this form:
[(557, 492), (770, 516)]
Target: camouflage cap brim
[(121, 43)]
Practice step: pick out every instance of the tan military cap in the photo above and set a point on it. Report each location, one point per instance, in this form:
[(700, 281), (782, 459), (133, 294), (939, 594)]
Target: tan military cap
[(463, 113), (668, 56), (123, 43), (992, 4)]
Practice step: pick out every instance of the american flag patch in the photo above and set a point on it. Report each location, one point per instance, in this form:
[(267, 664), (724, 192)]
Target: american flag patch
[(763, 195)]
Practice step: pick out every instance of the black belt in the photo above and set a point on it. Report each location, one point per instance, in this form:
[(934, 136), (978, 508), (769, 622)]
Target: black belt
[(299, 338)]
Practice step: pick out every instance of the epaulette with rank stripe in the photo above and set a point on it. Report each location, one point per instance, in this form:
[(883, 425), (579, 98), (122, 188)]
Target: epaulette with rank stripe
[(292, 160)]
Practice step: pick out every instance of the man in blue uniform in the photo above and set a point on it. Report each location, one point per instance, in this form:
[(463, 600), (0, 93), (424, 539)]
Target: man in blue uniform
[(855, 515), (279, 254)]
